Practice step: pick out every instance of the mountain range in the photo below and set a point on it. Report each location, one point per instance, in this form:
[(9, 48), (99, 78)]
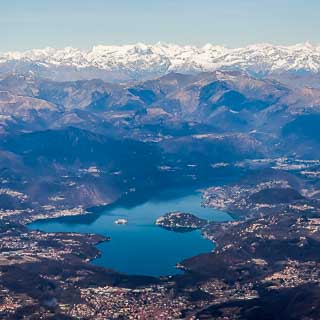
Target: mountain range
[(82, 114), (143, 61), (82, 131), (172, 106), (172, 130)]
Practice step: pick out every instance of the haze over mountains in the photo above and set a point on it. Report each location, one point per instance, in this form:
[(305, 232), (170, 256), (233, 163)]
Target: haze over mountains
[(120, 125), (142, 61), (172, 129)]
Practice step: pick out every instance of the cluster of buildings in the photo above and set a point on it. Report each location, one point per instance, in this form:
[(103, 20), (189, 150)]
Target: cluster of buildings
[(152, 302), (11, 301), (293, 274), (237, 198), (29, 215), (180, 220)]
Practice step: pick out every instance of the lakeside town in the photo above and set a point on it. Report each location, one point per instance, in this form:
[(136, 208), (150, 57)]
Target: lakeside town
[(248, 263)]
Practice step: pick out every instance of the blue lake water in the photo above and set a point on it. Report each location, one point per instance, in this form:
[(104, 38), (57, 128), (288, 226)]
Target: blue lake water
[(140, 247)]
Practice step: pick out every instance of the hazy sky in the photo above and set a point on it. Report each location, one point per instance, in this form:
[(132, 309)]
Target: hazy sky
[(26, 24)]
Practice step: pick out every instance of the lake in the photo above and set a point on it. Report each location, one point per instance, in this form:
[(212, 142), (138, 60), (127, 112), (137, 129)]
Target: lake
[(140, 247)]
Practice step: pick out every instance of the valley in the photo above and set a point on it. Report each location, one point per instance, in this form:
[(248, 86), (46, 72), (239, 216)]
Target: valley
[(228, 153), (140, 247)]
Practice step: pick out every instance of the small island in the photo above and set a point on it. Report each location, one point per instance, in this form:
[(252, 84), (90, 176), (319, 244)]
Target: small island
[(180, 221), (121, 221)]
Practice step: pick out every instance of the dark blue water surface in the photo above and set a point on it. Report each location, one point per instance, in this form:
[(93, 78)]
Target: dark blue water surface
[(140, 247)]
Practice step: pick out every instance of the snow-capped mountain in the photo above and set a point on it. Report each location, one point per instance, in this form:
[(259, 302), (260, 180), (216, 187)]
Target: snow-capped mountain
[(142, 61)]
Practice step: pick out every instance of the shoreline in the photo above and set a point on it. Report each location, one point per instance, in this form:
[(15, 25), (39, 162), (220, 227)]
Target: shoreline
[(96, 211)]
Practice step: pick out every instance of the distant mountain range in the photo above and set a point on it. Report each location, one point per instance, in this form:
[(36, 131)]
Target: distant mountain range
[(203, 107), (69, 143), (108, 129), (142, 61)]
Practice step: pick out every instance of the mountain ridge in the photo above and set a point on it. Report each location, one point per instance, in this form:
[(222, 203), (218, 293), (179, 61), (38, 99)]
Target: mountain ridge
[(136, 61)]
